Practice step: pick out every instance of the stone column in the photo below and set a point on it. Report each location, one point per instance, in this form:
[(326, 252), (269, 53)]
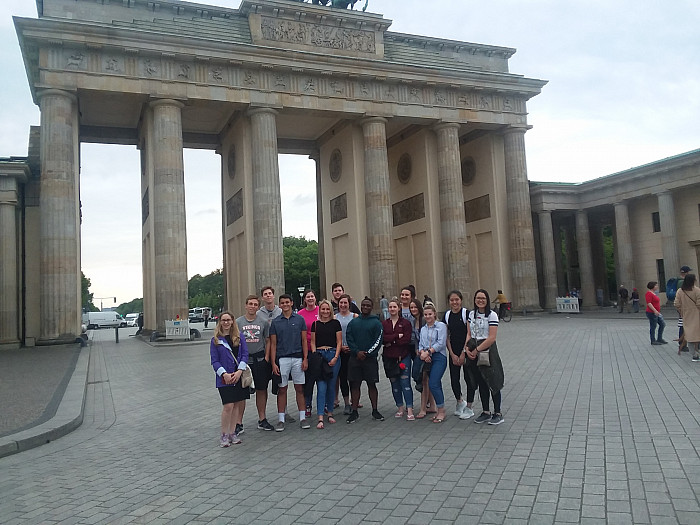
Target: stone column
[(669, 238), (623, 246), (549, 270), (267, 207), (59, 221), (585, 258), (169, 225), (9, 253), (316, 157), (522, 243), (381, 259), (453, 226)]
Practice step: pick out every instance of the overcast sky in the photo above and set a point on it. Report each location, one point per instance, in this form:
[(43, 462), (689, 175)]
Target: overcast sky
[(624, 90)]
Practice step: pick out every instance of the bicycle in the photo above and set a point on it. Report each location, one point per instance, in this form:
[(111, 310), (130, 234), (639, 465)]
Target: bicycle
[(507, 312)]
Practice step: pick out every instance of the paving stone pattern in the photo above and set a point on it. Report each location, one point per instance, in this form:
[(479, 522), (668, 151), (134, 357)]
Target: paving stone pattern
[(600, 427)]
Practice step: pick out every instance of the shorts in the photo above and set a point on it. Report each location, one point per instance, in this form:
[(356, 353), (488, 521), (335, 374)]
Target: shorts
[(233, 393), (367, 370), (261, 370), (291, 365)]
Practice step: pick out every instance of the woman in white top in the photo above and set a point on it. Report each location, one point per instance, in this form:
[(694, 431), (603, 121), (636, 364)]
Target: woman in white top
[(432, 348), (482, 328)]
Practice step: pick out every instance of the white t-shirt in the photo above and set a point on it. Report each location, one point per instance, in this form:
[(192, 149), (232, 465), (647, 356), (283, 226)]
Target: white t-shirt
[(479, 325)]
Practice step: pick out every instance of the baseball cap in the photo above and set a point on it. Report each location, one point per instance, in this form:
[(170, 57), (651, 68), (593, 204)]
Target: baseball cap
[(686, 269)]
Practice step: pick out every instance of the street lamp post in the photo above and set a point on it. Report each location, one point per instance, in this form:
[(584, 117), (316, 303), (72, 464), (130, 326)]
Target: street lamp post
[(101, 298)]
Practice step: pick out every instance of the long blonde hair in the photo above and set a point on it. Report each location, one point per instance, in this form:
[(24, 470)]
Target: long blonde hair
[(219, 332), (330, 305)]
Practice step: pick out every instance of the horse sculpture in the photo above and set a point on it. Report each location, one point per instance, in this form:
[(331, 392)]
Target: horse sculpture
[(340, 4)]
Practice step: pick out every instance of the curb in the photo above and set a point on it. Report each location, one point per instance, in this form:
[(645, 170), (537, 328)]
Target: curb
[(68, 417)]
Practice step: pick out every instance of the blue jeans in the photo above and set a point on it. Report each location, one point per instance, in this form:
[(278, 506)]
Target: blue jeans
[(326, 388), (401, 386), (653, 321), (437, 370)]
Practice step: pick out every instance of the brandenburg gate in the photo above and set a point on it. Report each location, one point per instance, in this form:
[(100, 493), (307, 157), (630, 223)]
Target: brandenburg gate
[(418, 141)]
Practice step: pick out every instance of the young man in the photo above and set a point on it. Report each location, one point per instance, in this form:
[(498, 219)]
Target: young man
[(288, 355), (364, 336), (384, 307), (255, 328), (337, 290), (269, 308)]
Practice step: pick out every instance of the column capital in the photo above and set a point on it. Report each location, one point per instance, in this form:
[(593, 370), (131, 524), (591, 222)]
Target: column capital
[(261, 109), (620, 204), (516, 129), (446, 125), (373, 119), (166, 102), (315, 156), (56, 93), (15, 170)]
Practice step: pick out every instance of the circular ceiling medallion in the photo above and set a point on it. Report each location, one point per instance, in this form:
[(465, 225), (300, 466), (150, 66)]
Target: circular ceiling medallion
[(231, 162), (468, 171), (335, 166), (403, 170)]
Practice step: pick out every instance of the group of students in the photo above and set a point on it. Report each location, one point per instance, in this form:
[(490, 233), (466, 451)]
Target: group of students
[(335, 346)]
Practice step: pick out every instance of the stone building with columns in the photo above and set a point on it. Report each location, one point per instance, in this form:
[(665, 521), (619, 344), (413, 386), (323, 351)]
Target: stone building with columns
[(651, 213), (418, 141)]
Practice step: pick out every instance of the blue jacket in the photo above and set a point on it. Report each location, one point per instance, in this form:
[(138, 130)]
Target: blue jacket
[(222, 360)]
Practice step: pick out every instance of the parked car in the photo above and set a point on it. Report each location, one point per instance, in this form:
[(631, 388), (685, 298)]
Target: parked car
[(132, 319), (196, 315), (95, 320)]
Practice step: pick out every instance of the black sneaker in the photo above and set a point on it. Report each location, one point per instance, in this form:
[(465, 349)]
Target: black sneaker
[(656, 343), (663, 341), (354, 416), (685, 349), (696, 358), (239, 429), (377, 416), (496, 419), (265, 425), (483, 418)]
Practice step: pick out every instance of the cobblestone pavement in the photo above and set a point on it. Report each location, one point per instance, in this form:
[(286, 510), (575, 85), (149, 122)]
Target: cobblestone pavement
[(600, 427)]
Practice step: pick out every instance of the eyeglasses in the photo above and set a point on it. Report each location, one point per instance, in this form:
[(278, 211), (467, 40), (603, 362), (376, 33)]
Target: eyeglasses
[(227, 320), (480, 299)]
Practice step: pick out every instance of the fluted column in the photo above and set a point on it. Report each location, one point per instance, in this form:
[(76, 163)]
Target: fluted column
[(316, 157), (169, 225), (453, 226), (381, 259), (267, 208), (585, 258), (9, 251), (522, 242), (549, 269), (669, 238), (623, 247), (59, 222)]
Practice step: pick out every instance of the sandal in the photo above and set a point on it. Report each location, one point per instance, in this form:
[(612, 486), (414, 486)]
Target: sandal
[(420, 415), (410, 417), (399, 414), (437, 420), (320, 425), (331, 419)]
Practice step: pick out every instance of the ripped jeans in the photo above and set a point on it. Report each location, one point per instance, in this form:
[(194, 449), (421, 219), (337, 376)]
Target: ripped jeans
[(401, 386)]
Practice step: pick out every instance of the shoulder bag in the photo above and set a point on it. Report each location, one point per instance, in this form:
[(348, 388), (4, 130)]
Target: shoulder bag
[(246, 376)]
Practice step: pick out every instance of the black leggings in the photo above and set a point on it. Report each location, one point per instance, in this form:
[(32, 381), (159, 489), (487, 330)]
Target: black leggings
[(455, 373), (474, 377), (343, 374)]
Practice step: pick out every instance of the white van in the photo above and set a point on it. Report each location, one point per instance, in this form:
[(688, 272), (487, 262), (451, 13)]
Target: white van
[(94, 320)]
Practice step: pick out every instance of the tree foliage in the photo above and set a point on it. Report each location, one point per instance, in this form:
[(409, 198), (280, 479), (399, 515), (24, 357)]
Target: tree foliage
[(133, 306), (300, 264), (207, 290), (86, 296)]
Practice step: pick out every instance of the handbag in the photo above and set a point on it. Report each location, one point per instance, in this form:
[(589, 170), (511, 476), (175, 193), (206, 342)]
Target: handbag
[(483, 358), (391, 367), (246, 376)]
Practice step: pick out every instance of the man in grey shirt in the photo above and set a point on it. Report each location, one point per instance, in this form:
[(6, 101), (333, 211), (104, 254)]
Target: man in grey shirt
[(269, 308), (255, 328)]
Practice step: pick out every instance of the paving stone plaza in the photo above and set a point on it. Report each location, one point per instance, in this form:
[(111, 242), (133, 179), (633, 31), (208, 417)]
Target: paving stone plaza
[(600, 427)]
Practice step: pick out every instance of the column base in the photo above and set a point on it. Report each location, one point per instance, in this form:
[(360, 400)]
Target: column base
[(63, 339), (10, 345)]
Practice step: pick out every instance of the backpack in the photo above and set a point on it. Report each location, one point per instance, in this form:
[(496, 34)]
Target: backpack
[(464, 315)]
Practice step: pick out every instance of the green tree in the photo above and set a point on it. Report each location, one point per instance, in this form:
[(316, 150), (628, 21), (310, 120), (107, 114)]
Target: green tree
[(207, 290), (300, 264), (86, 296), (133, 306)]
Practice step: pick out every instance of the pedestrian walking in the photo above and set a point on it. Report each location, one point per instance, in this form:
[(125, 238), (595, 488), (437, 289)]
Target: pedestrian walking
[(688, 304), (653, 312)]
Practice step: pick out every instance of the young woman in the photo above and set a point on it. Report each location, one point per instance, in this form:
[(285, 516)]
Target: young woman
[(653, 312), (432, 348), (397, 358), (483, 327), (326, 339), (344, 316), (688, 304), (420, 369), (229, 357), (456, 321), (310, 314)]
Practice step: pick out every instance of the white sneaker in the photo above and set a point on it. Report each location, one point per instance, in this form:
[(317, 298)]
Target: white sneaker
[(467, 413), (461, 405)]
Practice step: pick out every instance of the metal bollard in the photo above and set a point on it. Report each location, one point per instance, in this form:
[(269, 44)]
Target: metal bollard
[(116, 334)]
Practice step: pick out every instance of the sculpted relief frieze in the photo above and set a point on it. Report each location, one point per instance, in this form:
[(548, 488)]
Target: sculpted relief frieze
[(296, 81), (302, 33)]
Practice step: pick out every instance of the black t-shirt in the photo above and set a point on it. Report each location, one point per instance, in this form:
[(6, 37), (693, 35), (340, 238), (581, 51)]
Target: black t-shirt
[(234, 348), (325, 332), (457, 331)]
